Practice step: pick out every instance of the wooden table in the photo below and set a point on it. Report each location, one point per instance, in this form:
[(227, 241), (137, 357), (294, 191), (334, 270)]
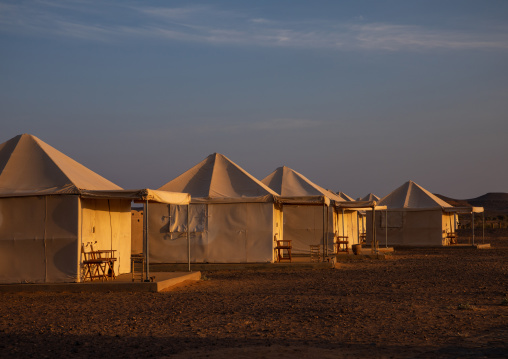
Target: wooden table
[(452, 237)]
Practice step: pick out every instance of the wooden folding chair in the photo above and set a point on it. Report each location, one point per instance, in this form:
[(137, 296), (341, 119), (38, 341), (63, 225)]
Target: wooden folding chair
[(284, 245)]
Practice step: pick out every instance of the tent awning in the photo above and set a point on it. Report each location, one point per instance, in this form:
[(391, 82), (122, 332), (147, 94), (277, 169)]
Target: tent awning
[(304, 200), (138, 195), (359, 205), (443, 209), (260, 199), (463, 209)]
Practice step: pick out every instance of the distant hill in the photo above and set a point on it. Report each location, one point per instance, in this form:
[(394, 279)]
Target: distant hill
[(454, 202), (494, 203)]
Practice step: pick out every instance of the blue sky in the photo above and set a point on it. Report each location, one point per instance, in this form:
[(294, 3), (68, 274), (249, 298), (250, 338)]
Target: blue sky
[(359, 96)]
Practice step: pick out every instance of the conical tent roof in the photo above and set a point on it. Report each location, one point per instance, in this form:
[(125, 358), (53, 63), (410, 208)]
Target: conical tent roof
[(411, 195), (218, 179), (345, 197), (293, 186), (29, 166), (369, 197)]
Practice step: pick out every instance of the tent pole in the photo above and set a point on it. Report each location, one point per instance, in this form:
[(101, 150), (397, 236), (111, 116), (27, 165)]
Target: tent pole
[(373, 244), (472, 223), (335, 229), (327, 227), (188, 236), (147, 264), (342, 226), (343, 222), (483, 215), (336, 233), (45, 254), (386, 228), (358, 227), (324, 241), (455, 222), (451, 228)]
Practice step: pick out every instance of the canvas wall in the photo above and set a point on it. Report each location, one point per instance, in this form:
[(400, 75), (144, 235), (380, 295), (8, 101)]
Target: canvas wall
[(220, 233), (303, 225), (409, 228), (39, 239)]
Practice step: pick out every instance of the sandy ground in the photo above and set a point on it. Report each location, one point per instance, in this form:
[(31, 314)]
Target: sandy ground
[(416, 304)]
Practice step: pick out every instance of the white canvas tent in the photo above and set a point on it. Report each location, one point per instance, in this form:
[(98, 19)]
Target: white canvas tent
[(233, 217), (345, 197), (310, 218), (49, 206), (369, 197), (415, 217)]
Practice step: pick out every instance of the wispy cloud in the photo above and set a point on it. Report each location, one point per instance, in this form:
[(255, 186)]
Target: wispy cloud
[(210, 25), (172, 13), (260, 21)]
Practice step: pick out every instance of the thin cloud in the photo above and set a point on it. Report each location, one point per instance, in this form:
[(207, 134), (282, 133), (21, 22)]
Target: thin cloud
[(395, 37), (191, 12), (173, 13), (260, 21), (209, 25), (84, 31)]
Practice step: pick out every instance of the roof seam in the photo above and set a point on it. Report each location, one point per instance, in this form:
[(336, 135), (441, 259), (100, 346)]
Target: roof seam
[(36, 140), (214, 168), (10, 156)]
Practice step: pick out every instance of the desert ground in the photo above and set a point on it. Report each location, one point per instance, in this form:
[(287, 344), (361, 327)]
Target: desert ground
[(419, 303)]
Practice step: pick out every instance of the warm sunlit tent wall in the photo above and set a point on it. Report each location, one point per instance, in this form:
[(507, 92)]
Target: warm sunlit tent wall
[(137, 223), (416, 217), (362, 224), (49, 208), (308, 208), (347, 223), (233, 217)]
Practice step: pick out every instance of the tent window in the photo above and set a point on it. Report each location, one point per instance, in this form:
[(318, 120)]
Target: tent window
[(178, 218)]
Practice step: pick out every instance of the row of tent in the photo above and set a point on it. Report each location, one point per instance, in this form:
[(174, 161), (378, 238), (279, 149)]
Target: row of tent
[(52, 207), (236, 218)]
